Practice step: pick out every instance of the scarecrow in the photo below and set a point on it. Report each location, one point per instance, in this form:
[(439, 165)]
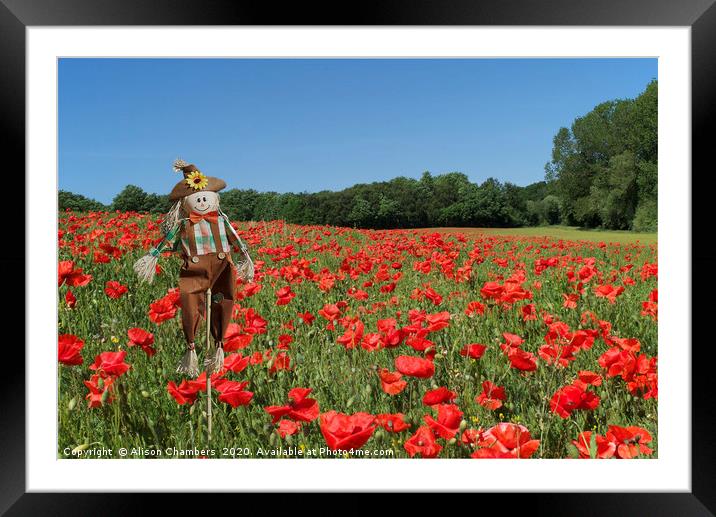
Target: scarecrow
[(197, 227)]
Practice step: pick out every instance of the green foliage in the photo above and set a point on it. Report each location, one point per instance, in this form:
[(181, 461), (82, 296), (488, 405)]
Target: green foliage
[(78, 203), (134, 199), (446, 199), (646, 217), (605, 167)]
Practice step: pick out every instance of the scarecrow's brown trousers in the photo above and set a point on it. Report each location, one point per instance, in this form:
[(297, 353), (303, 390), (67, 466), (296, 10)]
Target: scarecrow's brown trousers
[(212, 270)]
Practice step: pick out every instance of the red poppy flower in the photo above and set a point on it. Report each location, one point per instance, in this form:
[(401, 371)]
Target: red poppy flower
[(423, 443), (142, 338), (255, 324), (433, 296), (346, 432), (492, 290), (570, 300), (630, 441), (415, 366), (437, 321), (235, 338), (72, 277), (605, 449), (162, 310), (571, 398), (588, 377), (281, 362), (522, 360), (609, 292), (284, 341), (448, 422), (357, 294), (506, 440), (353, 335), (110, 363), (473, 350), (391, 336), (284, 295), (233, 393), (114, 289), (70, 299), (372, 342), (391, 382), (307, 317), (330, 311), (528, 312), (68, 349), (474, 308), (100, 390), (300, 407), (236, 362), (256, 358), (511, 340), (438, 396), (187, 391), (650, 309), (393, 423), (174, 296), (288, 427), (418, 343), (491, 396), (557, 354), (470, 436)]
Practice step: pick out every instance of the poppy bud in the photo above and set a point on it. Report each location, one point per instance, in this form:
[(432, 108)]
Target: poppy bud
[(350, 402), (463, 425), (379, 435), (80, 448), (73, 402), (272, 439), (145, 394), (289, 439), (452, 441), (105, 396)]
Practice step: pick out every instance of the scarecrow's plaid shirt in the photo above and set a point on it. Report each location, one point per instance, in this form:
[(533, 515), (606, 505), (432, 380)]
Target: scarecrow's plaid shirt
[(201, 238)]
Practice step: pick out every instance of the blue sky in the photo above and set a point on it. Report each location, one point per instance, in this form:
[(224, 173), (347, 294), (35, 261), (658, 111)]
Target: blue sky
[(295, 125)]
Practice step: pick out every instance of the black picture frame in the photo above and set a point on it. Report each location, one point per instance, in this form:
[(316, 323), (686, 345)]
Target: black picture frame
[(700, 15)]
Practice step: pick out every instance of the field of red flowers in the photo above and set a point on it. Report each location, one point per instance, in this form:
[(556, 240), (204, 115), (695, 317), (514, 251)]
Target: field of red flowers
[(399, 343)]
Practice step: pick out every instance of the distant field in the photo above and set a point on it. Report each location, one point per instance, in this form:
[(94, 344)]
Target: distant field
[(571, 233)]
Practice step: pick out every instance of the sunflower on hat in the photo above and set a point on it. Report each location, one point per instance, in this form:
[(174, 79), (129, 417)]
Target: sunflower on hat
[(197, 180)]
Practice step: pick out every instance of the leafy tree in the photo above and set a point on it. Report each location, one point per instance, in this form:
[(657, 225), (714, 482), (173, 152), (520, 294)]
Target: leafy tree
[(78, 203), (362, 213), (604, 167), (131, 199)]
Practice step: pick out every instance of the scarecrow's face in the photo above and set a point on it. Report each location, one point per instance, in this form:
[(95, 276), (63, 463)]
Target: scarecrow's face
[(202, 202)]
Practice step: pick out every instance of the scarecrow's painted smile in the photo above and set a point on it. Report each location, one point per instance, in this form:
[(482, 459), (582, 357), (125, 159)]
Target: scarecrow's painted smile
[(202, 202)]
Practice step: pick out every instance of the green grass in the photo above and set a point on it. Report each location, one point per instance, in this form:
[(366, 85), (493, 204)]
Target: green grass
[(571, 233)]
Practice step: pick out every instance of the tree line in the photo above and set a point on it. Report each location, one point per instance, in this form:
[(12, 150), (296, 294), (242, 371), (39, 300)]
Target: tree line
[(433, 200), (603, 174)]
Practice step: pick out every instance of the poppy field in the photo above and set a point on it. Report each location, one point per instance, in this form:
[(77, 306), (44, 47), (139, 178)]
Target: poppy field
[(396, 343)]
